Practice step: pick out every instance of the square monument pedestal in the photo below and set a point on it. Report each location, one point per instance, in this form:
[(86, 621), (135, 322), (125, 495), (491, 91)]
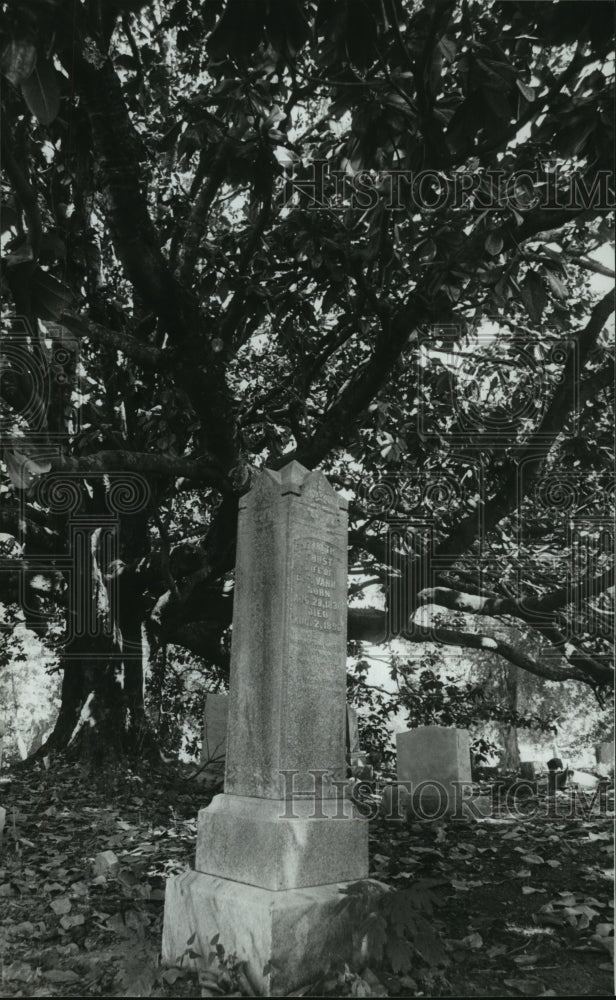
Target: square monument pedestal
[(279, 845), (287, 939)]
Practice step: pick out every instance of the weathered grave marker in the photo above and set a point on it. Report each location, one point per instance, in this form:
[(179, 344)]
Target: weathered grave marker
[(434, 759), (268, 868), (527, 770)]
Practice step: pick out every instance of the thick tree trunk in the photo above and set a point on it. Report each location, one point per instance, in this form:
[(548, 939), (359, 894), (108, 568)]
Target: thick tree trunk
[(510, 759), (511, 755), (102, 713)]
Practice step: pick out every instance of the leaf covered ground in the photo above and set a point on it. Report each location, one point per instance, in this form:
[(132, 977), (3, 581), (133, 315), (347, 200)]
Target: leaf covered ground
[(523, 905)]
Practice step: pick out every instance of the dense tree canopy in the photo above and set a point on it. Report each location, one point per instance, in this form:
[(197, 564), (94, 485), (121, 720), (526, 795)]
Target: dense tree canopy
[(357, 233)]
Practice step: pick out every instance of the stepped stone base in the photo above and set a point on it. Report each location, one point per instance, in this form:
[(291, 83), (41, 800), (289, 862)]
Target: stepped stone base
[(251, 840), (287, 939)]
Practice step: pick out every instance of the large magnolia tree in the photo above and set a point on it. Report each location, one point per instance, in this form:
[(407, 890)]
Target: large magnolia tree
[(360, 234)]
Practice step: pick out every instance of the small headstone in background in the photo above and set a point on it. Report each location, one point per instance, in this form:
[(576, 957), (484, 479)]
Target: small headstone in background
[(583, 779), (433, 759), (557, 779), (527, 770), (38, 737)]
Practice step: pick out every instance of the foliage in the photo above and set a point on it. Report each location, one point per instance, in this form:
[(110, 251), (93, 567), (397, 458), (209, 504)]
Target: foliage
[(70, 931), (29, 692), (376, 710), (397, 927), (183, 312), (176, 690), (434, 702)]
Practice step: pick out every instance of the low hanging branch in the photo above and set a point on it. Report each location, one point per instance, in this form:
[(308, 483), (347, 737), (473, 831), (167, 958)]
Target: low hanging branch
[(534, 451), (369, 625), (529, 609), (201, 470), (570, 649)]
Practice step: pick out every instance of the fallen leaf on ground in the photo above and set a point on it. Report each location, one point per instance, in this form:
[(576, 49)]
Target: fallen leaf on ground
[(61, 906), (472, 941), (61, 976)]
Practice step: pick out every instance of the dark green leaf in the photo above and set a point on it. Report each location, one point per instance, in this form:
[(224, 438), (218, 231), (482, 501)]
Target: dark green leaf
[(494, 244), (534, 296), (50, 297), (528, 93), (556, 285), (41, 92), (18, 60)]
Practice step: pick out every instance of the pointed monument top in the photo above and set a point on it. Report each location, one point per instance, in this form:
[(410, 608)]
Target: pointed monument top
[(295, 479), (292, 477)]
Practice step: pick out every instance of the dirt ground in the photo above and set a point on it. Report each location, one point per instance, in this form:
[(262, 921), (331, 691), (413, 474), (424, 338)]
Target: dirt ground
[(523, 905)]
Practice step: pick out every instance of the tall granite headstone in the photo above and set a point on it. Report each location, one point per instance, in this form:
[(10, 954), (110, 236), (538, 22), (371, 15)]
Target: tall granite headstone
[(274, 849), (214, 745)]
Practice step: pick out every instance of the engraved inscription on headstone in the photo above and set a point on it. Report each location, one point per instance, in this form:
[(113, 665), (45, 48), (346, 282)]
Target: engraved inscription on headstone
[(288, 675)]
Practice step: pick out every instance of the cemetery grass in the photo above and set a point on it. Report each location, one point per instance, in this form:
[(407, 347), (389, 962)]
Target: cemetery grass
[(524, 907)]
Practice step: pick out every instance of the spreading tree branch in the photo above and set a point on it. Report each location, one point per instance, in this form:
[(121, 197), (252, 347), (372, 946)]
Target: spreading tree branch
[(147, 355), (369, 625), (202, 470), (117, 145), (532, 454), (570, 649)]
